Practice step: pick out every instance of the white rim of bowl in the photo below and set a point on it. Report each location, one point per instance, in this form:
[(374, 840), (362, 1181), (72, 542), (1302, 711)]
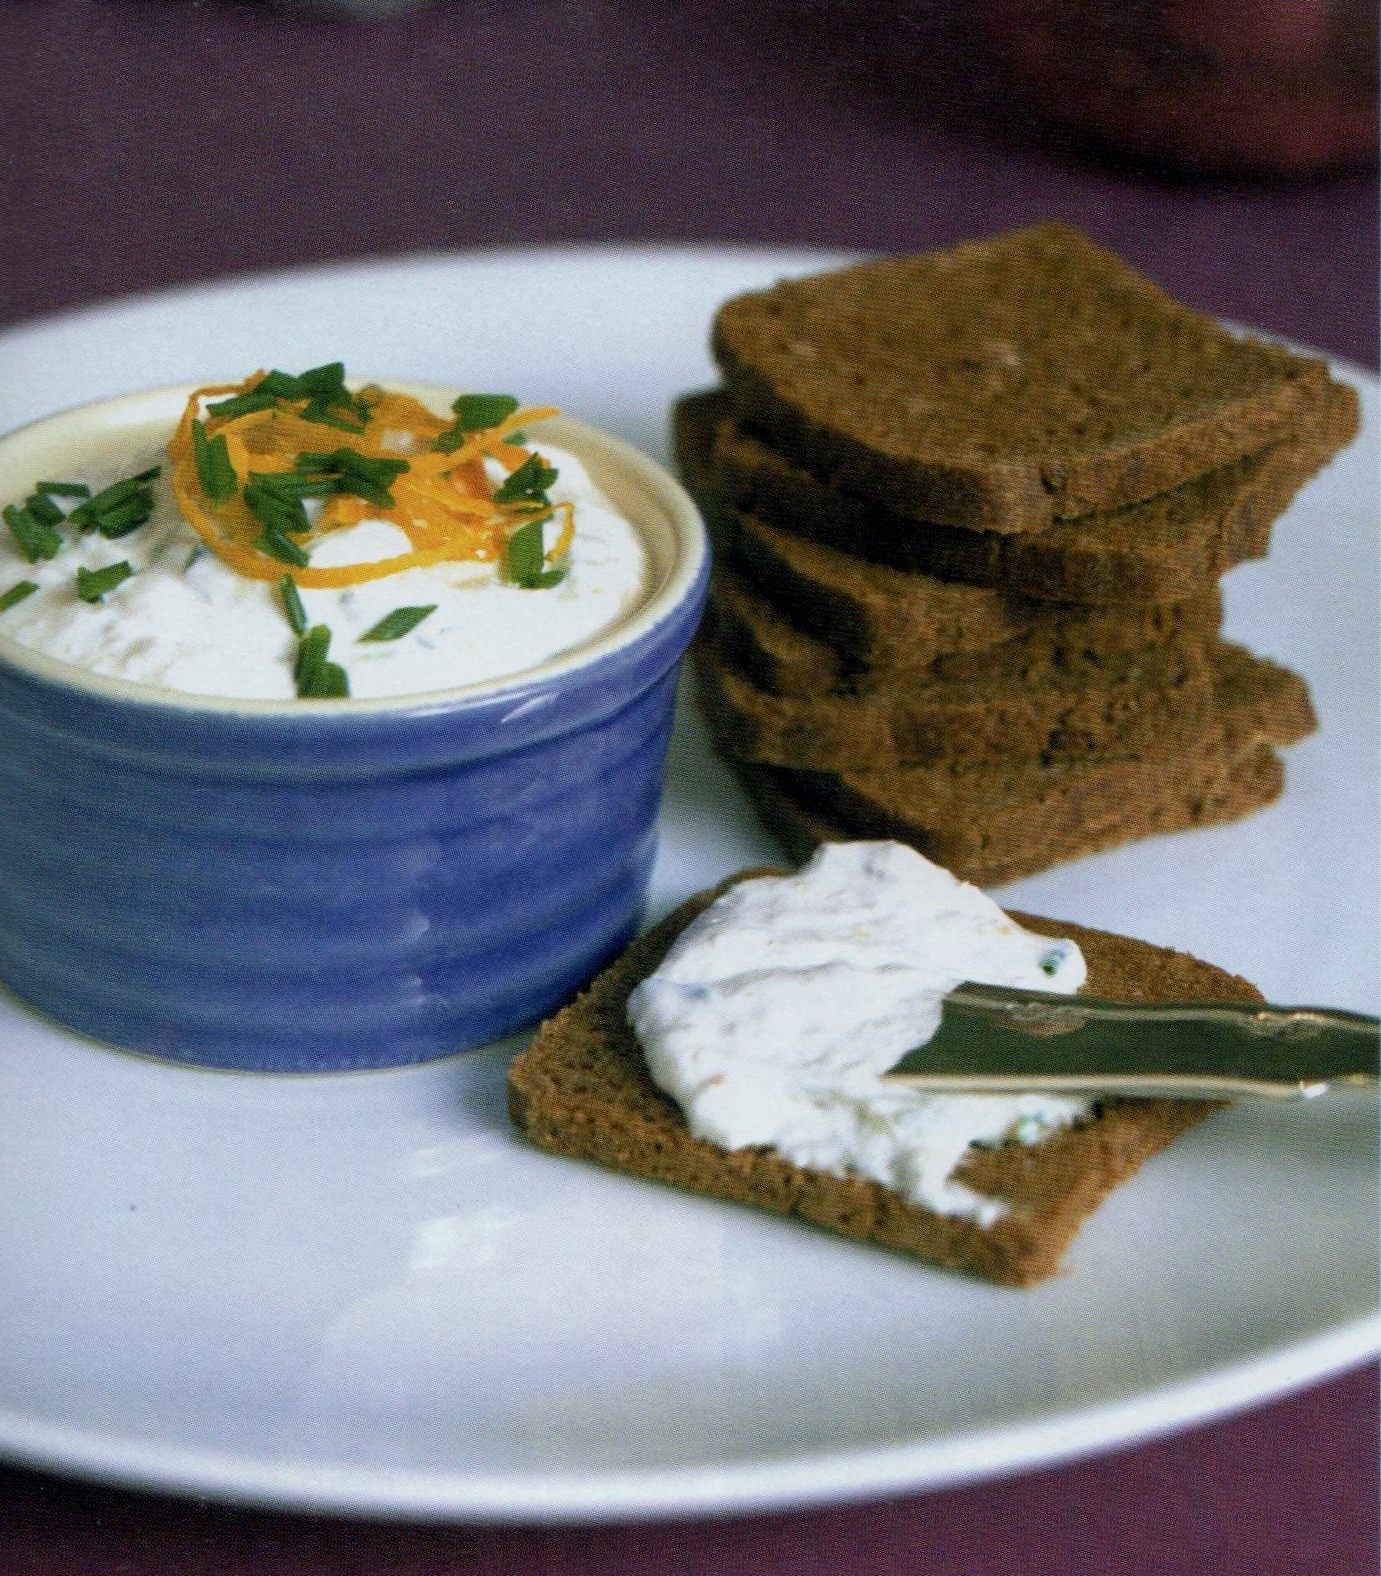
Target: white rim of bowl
[(609, 459)]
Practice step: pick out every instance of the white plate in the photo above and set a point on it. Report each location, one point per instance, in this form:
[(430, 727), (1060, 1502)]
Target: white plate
[(366, 1293)]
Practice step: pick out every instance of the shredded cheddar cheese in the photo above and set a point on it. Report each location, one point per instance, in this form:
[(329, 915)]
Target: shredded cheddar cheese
[(442, 499)]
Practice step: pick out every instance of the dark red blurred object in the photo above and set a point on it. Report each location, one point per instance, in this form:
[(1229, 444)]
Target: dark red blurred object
[(1282, 87)]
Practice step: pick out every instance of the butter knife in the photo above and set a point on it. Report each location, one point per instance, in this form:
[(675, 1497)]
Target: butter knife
[(998, 1041)]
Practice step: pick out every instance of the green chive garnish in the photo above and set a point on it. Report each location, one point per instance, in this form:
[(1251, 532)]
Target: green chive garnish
[(401, 621), (526, 563), (43, 509), (528, 484), (93, 584), (474, 413), (328, 400), (323, 388), (63, 489), (274, 507), (242, 404), (283, 548), (214, 470), (311, 653), (348, 471), (315, 677), (36, 540), (16, 594), (331, 682), (116, 510), (123, 518), (292, 605)]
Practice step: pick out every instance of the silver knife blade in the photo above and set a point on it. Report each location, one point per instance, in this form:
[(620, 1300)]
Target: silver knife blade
[(997, 1041)]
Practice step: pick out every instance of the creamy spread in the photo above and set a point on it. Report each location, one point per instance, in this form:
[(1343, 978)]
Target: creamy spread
[(778, 1009), (187, 621)]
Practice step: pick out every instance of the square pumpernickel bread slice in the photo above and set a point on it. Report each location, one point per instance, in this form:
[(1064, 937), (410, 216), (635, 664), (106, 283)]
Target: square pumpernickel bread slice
[(836, 632), (1162, 697), (999, 822), (1169, 547), (1005, 383), (1003, 827), (582, 1089)]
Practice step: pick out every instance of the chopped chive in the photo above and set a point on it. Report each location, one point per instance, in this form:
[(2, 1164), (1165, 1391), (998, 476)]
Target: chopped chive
[(35, 539), (93, 584), (375, 468), (214, 470), (401, 621), (124, 518), (323, 390), (16, 594), (364, 475), (241, 405), (528, 484), (43, 509), (278, 512), (311, 653), (318, 410), (327, 379), (116, 510), (289, 486), (526, 562), (121, 491), (328, 400), (314, 676), (283, 548), (525, 557), (292, 605), (280, 385), (63, 489), (544, 581), (330, 682), (475, 413)]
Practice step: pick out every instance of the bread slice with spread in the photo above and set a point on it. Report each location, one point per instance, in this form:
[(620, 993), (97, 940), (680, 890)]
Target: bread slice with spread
[(582, 1089)]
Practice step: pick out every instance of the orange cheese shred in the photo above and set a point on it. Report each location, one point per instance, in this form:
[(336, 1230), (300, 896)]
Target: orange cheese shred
[(443, 501)]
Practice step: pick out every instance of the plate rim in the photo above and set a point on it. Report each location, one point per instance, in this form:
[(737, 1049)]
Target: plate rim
[(779, 1483)]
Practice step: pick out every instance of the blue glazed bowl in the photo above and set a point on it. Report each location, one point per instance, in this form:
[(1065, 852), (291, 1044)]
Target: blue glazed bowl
[(321, 885)]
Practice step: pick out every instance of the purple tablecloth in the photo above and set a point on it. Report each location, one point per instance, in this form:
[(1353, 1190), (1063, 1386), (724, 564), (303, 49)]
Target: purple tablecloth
[(147, 142)]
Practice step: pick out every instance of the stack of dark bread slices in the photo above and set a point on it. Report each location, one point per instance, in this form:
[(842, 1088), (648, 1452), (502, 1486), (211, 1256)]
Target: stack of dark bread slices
[(970, 511)]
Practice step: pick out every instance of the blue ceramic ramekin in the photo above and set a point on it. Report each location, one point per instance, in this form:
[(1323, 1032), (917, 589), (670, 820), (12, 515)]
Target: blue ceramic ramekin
[(321, 885)]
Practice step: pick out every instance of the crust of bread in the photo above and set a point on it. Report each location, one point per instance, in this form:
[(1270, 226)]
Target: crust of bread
[(582, 1089)]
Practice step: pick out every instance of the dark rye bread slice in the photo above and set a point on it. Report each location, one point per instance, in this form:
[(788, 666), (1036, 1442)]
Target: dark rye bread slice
[(995, 828), (1160, 696), (582, 1089), (996, 823), (1171, 547), (1005, 383), (844, 639)]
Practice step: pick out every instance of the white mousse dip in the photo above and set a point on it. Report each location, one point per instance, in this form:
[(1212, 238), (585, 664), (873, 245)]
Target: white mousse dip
[(187, 621), (778, 1009)]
